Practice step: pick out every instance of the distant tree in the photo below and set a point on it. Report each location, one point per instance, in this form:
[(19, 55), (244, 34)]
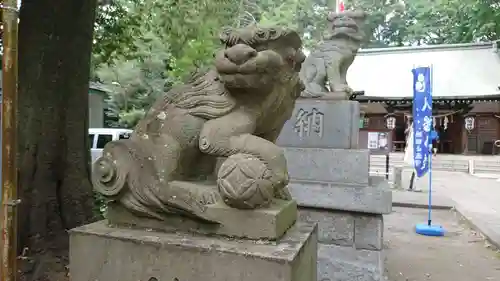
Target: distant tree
[(429, 22), (454, 21)]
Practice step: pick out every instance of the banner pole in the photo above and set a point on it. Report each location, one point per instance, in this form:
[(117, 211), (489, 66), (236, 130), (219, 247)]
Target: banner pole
[(430, 151), (429, 220), (423, 98)]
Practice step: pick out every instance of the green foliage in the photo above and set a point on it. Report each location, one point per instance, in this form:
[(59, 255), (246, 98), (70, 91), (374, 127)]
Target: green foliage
[(459, 21), (100, 206), (385, 23), (153, 45), (425, 22), (305, 16), (113, 28), (143, 47), (135, 83)]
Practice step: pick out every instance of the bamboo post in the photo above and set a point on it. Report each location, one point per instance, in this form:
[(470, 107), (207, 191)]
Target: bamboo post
[(9, 200)]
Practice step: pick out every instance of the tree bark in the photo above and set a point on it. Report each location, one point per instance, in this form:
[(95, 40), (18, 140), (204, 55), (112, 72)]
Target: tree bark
[(55, 43)]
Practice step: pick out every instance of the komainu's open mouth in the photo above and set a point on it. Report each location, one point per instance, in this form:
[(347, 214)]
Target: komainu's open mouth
[(345, 23), (262, 62)]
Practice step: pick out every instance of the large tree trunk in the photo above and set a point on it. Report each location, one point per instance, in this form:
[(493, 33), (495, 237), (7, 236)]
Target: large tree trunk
[(55, 42)]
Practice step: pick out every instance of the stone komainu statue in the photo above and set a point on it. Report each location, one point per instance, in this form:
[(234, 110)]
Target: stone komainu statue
[(233, 112), (324, 71)]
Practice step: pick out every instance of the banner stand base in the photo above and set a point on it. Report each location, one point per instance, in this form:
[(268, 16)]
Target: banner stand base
[(429, 229)]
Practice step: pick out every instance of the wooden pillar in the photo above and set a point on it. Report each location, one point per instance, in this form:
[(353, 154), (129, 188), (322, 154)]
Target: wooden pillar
[(465, 139), (465, 133)]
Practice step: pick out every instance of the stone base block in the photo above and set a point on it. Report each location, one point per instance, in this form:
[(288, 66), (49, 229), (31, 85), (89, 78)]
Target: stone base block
[(350, 243), (370, 199), (340, 166), (322, 124), (339, 263), (358, 230), (379, 181), (100, 252), (266, 223)]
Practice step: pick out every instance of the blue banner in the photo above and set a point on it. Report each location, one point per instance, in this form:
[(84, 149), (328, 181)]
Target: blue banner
[(422, 119)]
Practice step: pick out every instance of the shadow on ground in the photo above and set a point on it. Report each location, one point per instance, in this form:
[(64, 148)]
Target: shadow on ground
[(462, 254)]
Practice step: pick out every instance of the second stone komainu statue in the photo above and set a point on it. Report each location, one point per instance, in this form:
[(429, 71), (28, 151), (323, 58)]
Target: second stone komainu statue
[(231, 114), (324, 72)]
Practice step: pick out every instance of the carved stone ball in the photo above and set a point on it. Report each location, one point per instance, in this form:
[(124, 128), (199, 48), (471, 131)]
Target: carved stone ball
[(243, 182)]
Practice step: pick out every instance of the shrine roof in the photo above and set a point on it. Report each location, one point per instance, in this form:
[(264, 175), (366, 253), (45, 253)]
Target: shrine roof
[(360, 97), (459, 71)]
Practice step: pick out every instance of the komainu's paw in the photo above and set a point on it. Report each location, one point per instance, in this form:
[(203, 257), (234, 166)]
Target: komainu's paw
[(279, 177), (210, 196), (342, 88), (313, 94), (283, 194)]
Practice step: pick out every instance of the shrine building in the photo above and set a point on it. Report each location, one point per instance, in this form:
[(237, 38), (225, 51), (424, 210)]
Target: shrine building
[(466, 89)]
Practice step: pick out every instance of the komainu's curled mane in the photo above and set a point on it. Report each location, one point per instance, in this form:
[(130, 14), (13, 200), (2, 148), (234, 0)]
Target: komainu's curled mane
[(203, 96), (239, 106)]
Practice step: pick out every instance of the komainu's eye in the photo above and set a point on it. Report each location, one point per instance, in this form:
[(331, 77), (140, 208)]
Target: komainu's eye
[(260, 33)]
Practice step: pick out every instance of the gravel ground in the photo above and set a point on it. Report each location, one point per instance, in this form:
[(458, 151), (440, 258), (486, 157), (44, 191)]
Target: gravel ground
[(462, 255)]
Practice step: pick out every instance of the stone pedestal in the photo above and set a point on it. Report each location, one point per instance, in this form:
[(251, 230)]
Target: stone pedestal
[(269, 223), (104, 253), (329, 179), (320, 123)]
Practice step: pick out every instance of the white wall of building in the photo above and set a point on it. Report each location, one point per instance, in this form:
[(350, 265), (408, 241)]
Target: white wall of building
[(458, 70)]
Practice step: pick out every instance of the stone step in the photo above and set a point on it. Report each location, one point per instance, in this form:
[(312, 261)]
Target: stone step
[(488, 175), (460, 164), (434, 167), (456, 166), (381, 158), (487, 170)]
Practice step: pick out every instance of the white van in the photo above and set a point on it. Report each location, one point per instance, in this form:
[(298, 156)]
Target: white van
[(99, 137)]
